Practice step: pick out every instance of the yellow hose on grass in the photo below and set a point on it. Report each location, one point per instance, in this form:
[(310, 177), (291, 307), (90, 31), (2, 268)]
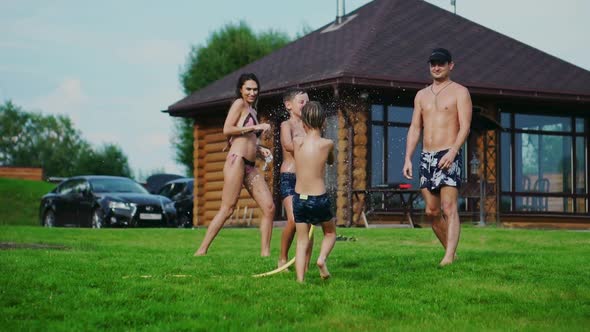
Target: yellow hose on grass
[(284, 267)]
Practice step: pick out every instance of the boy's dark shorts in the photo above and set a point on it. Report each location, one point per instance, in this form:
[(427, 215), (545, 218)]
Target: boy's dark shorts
[(432, 177), (312, 209), (287, 183)]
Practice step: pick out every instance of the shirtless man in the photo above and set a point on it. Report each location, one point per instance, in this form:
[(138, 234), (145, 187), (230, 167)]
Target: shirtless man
[(294, 100), (311, 203), (443, 109)]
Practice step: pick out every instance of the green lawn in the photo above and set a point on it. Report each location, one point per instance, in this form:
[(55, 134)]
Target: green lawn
[(19, 201), (388, 279)]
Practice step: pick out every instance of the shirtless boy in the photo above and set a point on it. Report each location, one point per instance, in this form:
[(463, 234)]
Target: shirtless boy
[(311, 204), (443, 109), (294, 100)]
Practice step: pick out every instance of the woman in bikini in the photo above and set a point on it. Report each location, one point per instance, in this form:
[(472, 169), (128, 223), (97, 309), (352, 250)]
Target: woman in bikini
[(242, 129)]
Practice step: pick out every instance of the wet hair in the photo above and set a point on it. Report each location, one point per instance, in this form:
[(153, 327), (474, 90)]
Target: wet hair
[(241, 80), (313, 115), (291, 93)]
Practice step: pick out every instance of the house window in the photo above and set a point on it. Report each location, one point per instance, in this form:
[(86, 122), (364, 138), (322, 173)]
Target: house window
[(543, 164), (388, 131), (389, 128)]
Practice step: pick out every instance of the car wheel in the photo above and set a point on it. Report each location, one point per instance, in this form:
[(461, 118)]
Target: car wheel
[(184, 221), (49, 219), (97, 219)]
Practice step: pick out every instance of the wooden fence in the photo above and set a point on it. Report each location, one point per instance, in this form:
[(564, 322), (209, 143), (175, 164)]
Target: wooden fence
[(25, 173)]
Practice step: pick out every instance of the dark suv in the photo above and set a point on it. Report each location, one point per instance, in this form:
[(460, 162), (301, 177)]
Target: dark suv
[(180, 191)]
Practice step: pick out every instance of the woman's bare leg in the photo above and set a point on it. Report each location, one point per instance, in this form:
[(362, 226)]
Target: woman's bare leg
[(329, 228), (233, 175), (302, 231), (256, 186)]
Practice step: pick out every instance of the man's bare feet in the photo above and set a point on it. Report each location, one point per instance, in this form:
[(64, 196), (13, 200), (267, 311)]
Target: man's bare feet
[(200, 253), (324, 273)]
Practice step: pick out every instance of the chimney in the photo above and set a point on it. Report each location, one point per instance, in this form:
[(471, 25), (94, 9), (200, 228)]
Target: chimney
[(340, 11)]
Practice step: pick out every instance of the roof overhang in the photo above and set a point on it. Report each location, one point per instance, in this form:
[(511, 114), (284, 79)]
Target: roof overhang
[(343, 80)]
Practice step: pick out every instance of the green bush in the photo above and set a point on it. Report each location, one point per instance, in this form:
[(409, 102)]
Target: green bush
[(19, 201)]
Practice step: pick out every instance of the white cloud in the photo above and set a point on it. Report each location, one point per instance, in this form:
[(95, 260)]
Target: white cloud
[(68, 98)]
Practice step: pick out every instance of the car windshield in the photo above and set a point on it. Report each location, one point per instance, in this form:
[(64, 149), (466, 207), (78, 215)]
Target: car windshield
[(117, 186), (172, 189)]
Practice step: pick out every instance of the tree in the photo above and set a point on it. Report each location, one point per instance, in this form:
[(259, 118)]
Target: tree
[(12, 122), (36, 140), (51, 142), (108, 159), (230, 48)]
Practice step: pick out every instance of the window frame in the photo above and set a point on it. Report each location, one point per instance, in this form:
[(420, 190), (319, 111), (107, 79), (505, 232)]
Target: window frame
[(385, 124), (513, 194)]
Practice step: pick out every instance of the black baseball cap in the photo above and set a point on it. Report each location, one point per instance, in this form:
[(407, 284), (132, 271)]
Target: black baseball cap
[(440, 54)]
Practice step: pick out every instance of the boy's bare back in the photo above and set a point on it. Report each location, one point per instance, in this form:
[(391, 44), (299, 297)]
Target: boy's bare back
[(311, 152)]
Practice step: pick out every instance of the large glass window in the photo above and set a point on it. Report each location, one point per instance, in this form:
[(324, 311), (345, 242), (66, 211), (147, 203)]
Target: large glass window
[(389, 128), (543, 164)]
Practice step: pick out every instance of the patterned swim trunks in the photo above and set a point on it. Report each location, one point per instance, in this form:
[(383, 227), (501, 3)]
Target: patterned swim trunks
[(312, 209), (432, 177)]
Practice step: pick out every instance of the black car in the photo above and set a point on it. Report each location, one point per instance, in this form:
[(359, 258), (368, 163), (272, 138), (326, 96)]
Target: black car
[(155, 182), (180, 191), (99, 201)]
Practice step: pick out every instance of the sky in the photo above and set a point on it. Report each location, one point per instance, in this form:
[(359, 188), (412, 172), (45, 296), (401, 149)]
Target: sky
[(113, 65)]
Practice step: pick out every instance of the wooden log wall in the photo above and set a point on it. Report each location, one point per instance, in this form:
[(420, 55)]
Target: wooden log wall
[(360, 155), (209, 159), (487, 143), (196, 175), (342, 171), (23, 173), (491, 202), (357, 118)]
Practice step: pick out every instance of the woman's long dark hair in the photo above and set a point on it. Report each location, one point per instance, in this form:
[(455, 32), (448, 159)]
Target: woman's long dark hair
[(247, 77)]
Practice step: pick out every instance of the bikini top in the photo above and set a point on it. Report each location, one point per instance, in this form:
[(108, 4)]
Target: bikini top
[(249, 120)]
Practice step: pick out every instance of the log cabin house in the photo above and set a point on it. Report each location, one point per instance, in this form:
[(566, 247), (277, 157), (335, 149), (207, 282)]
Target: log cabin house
[(530, 129)]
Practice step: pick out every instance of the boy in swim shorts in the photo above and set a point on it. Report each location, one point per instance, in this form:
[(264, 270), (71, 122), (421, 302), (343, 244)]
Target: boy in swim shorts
[(311, 204), (294, 100)]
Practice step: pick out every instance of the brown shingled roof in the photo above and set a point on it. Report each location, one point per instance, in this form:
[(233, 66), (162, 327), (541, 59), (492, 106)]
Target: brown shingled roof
[(387, 42)]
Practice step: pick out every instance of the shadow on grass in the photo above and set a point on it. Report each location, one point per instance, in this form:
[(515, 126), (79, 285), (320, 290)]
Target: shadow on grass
[(13, 245)]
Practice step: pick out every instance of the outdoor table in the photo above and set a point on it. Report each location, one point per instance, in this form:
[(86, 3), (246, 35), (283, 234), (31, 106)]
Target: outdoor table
[(407, 198)]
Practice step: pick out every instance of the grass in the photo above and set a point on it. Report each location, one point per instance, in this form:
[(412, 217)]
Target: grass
[(20, 201), (388, 279)]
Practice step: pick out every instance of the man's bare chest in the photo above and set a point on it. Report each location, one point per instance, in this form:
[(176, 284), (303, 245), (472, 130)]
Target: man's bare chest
[(432, 104)]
